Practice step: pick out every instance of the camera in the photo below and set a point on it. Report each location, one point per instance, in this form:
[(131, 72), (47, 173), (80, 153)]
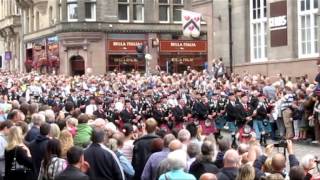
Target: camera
[(282, 143)]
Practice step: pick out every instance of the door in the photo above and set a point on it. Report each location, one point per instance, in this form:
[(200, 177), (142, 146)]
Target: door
[(77, 65)]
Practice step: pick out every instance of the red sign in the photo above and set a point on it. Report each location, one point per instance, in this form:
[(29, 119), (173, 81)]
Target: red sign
[(124, 45), (183, 46)]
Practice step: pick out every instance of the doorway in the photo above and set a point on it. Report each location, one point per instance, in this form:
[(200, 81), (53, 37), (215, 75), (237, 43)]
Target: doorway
[(77, 65)]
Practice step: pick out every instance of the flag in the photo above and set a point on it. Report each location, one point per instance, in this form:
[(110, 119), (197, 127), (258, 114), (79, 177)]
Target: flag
[(191, 23)]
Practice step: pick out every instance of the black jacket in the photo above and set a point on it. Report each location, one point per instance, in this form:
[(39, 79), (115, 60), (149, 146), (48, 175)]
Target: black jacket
[(21, 157), (37, 149), (71, 173), (127, 116), (141, 152), (199, 167), (228, 174), (32, 134), (104, 164)]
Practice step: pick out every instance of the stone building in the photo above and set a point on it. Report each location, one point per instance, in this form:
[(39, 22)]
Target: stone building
[(268, 36), (10, 35), (81, 36)]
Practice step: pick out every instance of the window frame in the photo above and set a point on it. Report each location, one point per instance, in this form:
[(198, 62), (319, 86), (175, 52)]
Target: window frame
[(262, 22), (69, 2), (128, 11), (181, 5), (141, 4), (168, 11), (94, 12), (312, 13)]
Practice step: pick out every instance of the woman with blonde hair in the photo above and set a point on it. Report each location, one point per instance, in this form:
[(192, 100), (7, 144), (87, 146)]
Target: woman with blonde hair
[(66, 142), (246, 172), (18, 161), (54, 131)]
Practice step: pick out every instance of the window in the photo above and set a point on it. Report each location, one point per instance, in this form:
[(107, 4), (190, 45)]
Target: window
[(50, 16), (164, 14), (138, 11), (123, 10), (60, 11), (72, 10), (177, 7), (37, 20), (308, 28), (90, 10), (258, 30)]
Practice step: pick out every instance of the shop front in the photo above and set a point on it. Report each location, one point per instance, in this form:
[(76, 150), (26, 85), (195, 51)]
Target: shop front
[(122, 56), (43, 55), (183, 54)]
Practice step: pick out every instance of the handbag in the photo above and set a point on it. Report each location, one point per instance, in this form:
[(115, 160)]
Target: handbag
[(18, 168)]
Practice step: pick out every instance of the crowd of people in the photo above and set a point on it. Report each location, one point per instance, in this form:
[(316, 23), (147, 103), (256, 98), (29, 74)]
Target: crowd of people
[(195, 125)]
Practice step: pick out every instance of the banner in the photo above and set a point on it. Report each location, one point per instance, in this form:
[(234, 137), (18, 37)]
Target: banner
[(191, 23)]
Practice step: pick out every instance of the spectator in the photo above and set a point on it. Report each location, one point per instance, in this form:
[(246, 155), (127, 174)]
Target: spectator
[(125, 164), (72, 124), (208, 176), (184, 136), (38, 147), (66, 142), (246, 172), (309, 165), (17, 153), (52, 164), (104, 164), (84, 131), (76, 166), (298, 173), (4, 131), (204, 163), (177, 162), (150, 169), (193, 150), (36, 119), (164, 165), (54, 131), (224, 144), (127, 147), (142, 148), (231, 162)]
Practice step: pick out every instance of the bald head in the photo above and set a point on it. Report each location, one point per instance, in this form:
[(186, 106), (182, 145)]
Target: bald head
[(231, 158), (175, 144), (278, 162), (208, 176)]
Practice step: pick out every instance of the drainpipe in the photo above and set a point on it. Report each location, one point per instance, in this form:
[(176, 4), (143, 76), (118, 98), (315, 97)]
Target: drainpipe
[(230, 36)]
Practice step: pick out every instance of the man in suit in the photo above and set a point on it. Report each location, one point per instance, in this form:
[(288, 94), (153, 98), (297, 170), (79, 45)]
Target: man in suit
[(104, 163), (76, 166)]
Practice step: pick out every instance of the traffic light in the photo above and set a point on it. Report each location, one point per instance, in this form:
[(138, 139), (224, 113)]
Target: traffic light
[(140, 52)]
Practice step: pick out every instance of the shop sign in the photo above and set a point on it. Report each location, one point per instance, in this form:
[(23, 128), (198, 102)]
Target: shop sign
[(7, 55), (278, 24), (124, 45), (182, 59), (183, 46), (125, 60)]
